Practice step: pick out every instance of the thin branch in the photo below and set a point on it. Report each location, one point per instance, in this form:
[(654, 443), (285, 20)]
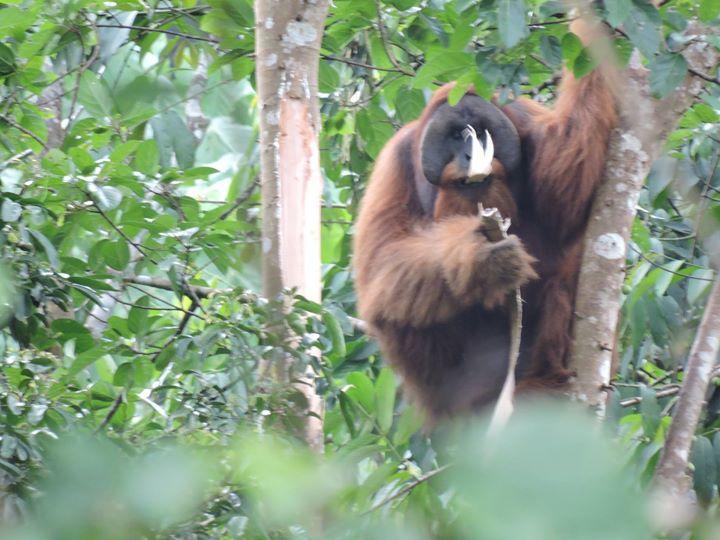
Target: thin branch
[(167, 285), (660, 267), (181, 327), (360, 64), (669, 390), (116, 228), (385, 42), (495, 228), (702, 204), (17, 157), (159, 30), (704, 77), (408, 488), (113, 409), (25, 130), (671, 474), (242, 199)]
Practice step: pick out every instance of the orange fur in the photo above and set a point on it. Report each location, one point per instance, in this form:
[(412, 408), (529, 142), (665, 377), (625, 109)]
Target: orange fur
[(455, 200), (435, 290)]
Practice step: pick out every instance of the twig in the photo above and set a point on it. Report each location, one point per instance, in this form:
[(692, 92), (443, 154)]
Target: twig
[(159, 30), (359, 64), (242, 198), (167, 285), (385, 42), (670, 390), (181, 327), (660, 267), (116, 228), (408, 488), (671, 477), (702, 203), (17, 157), (115, 406), (495, 228), (25, 130), (703, 76)]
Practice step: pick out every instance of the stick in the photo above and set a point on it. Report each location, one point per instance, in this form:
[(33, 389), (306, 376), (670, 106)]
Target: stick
[(495, 228)]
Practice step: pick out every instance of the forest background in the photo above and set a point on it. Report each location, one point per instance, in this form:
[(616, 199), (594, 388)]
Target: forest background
[(139, 394)]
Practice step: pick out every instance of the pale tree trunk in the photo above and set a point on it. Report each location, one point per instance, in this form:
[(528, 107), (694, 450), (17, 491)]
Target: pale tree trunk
[(671, 473), (644, 125), (288, 36)]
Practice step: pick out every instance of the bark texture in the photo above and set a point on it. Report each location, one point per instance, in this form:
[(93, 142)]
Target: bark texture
[(645, 124), (671, 473), (288, 36)]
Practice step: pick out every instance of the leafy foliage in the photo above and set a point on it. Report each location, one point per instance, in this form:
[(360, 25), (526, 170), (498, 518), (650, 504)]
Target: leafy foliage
[(129, 227)]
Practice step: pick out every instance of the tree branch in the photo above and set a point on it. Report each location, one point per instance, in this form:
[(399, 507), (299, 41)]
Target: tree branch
[(167, 285), (408, 488), (644, 125), (671, 473), (159, 30)]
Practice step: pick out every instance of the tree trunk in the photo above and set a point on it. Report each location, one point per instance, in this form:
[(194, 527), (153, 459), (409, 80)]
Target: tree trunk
[(288, 36), (644, 126), (671, 473)]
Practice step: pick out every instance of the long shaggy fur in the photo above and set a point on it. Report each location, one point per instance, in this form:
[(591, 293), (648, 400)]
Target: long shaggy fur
[(434, 289)]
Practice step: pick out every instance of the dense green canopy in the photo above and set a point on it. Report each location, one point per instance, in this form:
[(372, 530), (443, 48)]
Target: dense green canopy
[(131, 326)]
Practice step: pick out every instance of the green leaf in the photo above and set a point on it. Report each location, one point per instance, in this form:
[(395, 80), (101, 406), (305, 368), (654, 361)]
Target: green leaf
[(709, 10), (182, 140), (10, 211), (138, 316), (173, 137), (241, 68), (667, 72), (124, 375), (409, 104), (617, 11), (144, 371), (82, 159), (361, 390), (444, 65), (136, 96), (551, 50), (511, 21), (460, 89), (643, 27), (703, 459), (641, 235), (571, 48), (385, 398), (706, 113), (83, 360), (411, 420), (95, 95), (115, 253), (328, 78), (7, 60), (716, 447), (650, 410), (14, 19), (666, 276), (146, 158), (584, 63), (108, 197), (699, 286), (336, 334), (50, 250)]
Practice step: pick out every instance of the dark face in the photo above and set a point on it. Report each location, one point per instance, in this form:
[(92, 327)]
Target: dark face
[(450, 155)]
